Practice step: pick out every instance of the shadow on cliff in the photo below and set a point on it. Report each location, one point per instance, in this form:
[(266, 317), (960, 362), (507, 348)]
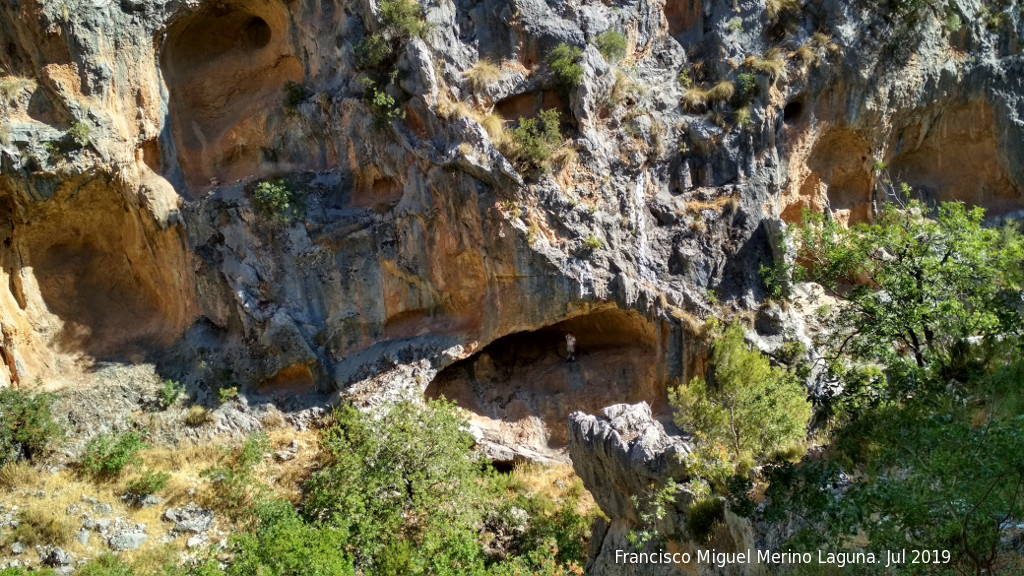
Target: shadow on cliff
[(521, 388)]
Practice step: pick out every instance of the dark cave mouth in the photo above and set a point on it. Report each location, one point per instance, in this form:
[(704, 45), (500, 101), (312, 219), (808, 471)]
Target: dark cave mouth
[(521, 388)]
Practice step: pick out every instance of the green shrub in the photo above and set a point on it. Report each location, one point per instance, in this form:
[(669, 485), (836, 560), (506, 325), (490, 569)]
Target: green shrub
[(24, 572), (702, 516), (284, 545), (149, 483), (170, 391), (383, 107), (593, 243), (535, 140), (746, 86), (227, 394), (27, 427), (233, 478), (276, 200), (107, 455), (564, 63), (751, 410), (403, 485), (79, 133), (612, 45), (294, 94)]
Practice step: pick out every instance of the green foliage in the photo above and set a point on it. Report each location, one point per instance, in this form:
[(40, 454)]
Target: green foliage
[(227, 394), (150, 482), (535, 140), (923, 289), (403, 487), (542, 561), (25, 572), (746, 86), (399, 20), (107, 455), (702, 516), (926, 433), (106, 565), (79, 134), (735, 24), (276, 200), (751, 409), (27, 427), (564, 63), (612, 45), (383, 107), (294, 94), (233, 478), (283, 544), (170, 391), (593, 243)]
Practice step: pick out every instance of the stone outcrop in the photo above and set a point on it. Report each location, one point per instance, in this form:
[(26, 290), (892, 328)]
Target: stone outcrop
[(624, 457)]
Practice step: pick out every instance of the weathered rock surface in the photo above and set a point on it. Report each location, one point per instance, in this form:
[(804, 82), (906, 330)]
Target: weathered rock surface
[(133, 134), (624, 457)]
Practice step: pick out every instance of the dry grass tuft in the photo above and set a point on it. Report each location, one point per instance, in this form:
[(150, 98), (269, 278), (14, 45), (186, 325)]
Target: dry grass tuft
[(721, 92), (772, 64), (41, 524), (15, 475), (776, 8), (556, 482), (482, 74), (623, 89), (806, 55), (272, 420), (695, 100), (197, 416), (495, 127)]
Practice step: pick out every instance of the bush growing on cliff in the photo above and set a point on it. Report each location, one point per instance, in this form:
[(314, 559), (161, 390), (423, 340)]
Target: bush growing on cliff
[(535, 140), (276, 200), (107, 455), (612, 45), (27, 427), (564, 63)]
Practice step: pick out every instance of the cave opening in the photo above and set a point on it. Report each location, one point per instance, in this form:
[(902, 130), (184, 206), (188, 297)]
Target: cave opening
[(111, 287), (793, 112), (225, 67), (520, 389)]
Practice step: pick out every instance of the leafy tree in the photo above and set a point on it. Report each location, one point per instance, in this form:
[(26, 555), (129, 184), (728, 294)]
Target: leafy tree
[(925, 295), (926, 433), (751, 409), (403, 487), (276, 200)]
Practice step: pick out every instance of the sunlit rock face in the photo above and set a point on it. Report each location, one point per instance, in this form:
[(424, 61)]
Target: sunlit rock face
[(134, 134)]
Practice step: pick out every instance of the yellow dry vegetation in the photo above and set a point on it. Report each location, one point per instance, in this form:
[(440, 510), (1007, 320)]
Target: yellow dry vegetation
[(557, 482), (45, 498)]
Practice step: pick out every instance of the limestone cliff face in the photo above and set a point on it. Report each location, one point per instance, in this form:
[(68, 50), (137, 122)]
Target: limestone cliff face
[(134, 132)]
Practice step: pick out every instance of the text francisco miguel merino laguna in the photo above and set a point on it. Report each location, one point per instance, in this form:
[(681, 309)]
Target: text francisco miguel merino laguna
[(723, 559)]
